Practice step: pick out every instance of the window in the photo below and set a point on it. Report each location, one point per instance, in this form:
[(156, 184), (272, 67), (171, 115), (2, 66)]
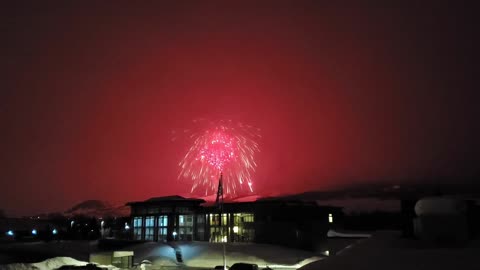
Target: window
[(162, 228), (330, 218), (215, 219), (243, 230), (216, 234), (200, 228), (149, 227), (239, 218), (185, 227), (137, 228), (200, 218), (248, 235), (219, 233), (247, 218)]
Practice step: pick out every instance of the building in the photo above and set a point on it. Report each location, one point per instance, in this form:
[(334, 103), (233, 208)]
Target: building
[(277, 221)]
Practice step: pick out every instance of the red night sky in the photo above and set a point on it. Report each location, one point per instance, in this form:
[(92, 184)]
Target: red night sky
[(91, 91)]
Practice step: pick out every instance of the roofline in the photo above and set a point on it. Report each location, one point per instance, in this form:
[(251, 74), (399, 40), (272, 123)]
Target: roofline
[(149, 201)]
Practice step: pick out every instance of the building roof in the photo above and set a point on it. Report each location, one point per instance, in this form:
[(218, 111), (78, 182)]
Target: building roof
[(172, 199), (248, 203)]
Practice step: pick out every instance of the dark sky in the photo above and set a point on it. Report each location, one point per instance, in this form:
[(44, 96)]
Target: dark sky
[(90, 92)]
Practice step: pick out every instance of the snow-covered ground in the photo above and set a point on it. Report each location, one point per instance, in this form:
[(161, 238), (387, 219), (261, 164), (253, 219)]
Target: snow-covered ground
[(387, 250), (332, 233), (208, 255), (50, 264), (194, 254)]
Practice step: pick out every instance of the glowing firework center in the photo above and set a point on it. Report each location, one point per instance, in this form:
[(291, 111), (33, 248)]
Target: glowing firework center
[(219, 152), (222, 149)]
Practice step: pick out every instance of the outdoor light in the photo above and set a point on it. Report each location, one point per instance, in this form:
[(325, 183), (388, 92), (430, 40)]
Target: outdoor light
[(235, 229), (71, 223), (330, 218), (126, 226), (174, 234), (34, 232), (102, 223), (54, 231), (10, 233)]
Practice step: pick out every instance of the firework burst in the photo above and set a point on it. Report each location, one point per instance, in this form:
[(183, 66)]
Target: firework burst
[(221, 147)]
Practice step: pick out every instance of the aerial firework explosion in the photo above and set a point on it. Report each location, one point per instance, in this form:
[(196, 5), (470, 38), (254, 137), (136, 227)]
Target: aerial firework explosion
[(221, 147)]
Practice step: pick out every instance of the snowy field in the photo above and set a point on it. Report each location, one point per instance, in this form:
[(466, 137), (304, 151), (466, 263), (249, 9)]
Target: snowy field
[(387, 250), (195, 254)]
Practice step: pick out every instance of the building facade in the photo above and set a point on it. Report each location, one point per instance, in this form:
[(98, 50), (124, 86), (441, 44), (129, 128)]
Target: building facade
[(275, 221)]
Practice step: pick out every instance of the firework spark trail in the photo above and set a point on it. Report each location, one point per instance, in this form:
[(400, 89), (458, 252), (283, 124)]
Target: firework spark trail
[(221, 147)]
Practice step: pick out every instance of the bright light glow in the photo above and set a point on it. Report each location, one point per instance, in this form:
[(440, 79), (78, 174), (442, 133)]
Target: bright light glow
[(34, 232), (221, 147), (10, 233), (224, 238), (54, 231), (235, 229), (330, 218), (102, 223), (174, 233), (326, 252), (71, 223), (126, 226)]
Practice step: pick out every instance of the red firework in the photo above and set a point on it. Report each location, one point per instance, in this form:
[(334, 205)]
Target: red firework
[(221, 147)]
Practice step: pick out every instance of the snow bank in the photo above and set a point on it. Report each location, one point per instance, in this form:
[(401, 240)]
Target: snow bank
[(332, 233), (211, 254), (49, 264), (57, 262), (17, 266), (155, 252), (208, 255), (439, 206), (388, 250)]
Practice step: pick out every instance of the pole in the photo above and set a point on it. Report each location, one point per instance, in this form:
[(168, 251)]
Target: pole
[(224, 258), (219, 202)]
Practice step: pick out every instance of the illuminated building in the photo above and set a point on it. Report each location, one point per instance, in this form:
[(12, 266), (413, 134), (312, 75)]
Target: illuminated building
[(270, 220)]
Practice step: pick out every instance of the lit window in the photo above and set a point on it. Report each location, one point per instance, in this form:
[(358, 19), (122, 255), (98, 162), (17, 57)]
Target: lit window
[(162, 228), (330, 218), (185, 231), (137, 228), (149, 230), (181, 220)]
